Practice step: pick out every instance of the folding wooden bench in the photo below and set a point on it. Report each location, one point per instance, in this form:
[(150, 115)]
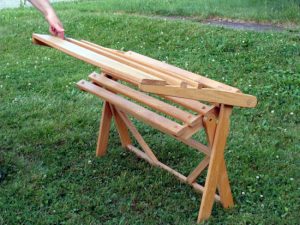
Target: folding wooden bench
[(178, 86)]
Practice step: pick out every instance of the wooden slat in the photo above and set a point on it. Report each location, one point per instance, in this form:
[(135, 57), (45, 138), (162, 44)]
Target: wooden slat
[(139, 112), (180, 73), (145, 99), (148, 63), (204, 94), (113, 55), (113, 67), (190, 104)]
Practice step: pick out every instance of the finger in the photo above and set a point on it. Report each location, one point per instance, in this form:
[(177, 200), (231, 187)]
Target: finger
[(52, 31)]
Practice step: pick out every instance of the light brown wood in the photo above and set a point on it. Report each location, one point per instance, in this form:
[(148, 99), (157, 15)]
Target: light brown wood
[(139, 112), (175, 85), (195, 144), (104, 130), (180, 73), (138, 137), (191, 104), (204, 94), (191, 130), (148, 62), (199, 188), (113, 55), (115, 68), (121, 128), (145, 99), (224, 186), (216, 159), (198, 170), (210, 124)]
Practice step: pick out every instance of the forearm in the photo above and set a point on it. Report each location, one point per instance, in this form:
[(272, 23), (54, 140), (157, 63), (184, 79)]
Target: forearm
[(43, 5)]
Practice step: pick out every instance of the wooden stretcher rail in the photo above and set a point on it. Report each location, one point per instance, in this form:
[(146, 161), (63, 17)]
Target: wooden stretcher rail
[(115, 68), (145, 99), (139, 112)]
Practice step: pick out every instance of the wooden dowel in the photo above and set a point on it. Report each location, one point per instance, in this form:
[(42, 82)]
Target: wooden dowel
[(195, 144), (199, 188), (140, 154)]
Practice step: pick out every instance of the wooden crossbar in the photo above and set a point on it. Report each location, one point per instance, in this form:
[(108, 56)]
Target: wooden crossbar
[(175, 109)]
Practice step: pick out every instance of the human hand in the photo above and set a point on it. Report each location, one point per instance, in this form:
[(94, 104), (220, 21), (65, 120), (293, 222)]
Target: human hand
[(55, 26)]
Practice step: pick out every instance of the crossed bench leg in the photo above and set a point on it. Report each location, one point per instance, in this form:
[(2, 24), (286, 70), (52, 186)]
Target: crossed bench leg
[(217, 130)]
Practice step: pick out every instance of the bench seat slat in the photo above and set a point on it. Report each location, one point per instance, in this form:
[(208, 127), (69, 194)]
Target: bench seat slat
[(145, 99), (139, 112)]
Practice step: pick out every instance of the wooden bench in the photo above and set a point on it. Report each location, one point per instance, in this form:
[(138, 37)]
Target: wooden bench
[(184, 89)]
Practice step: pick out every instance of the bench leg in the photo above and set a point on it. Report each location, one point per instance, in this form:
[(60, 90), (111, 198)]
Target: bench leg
[(216, 160), (121, 127), (104, 130), (210, 124)]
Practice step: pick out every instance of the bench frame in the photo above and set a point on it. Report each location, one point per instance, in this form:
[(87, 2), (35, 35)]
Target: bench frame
[(216, 125)]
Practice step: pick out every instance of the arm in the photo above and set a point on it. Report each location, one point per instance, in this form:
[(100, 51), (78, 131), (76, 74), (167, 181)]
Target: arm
[(55, 26)]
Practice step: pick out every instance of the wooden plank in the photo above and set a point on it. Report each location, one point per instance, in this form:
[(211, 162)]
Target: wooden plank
[(180, 73), (145, 99), (104, 130), (113, 55), (137, 60), (204, 94), (138, 137), (159, 122), (190, 104), (121, 127), (217, 155), (113, 67)]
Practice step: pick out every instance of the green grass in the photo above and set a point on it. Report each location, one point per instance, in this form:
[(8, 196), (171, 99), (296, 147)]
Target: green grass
[(48, 128), (275, 11)]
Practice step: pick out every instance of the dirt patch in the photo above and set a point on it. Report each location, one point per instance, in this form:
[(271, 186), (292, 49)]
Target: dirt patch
[(233, 24), (242, 25)]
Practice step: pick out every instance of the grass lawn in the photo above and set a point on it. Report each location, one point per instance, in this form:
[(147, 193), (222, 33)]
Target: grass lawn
[(274, 11), (48, 128)]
